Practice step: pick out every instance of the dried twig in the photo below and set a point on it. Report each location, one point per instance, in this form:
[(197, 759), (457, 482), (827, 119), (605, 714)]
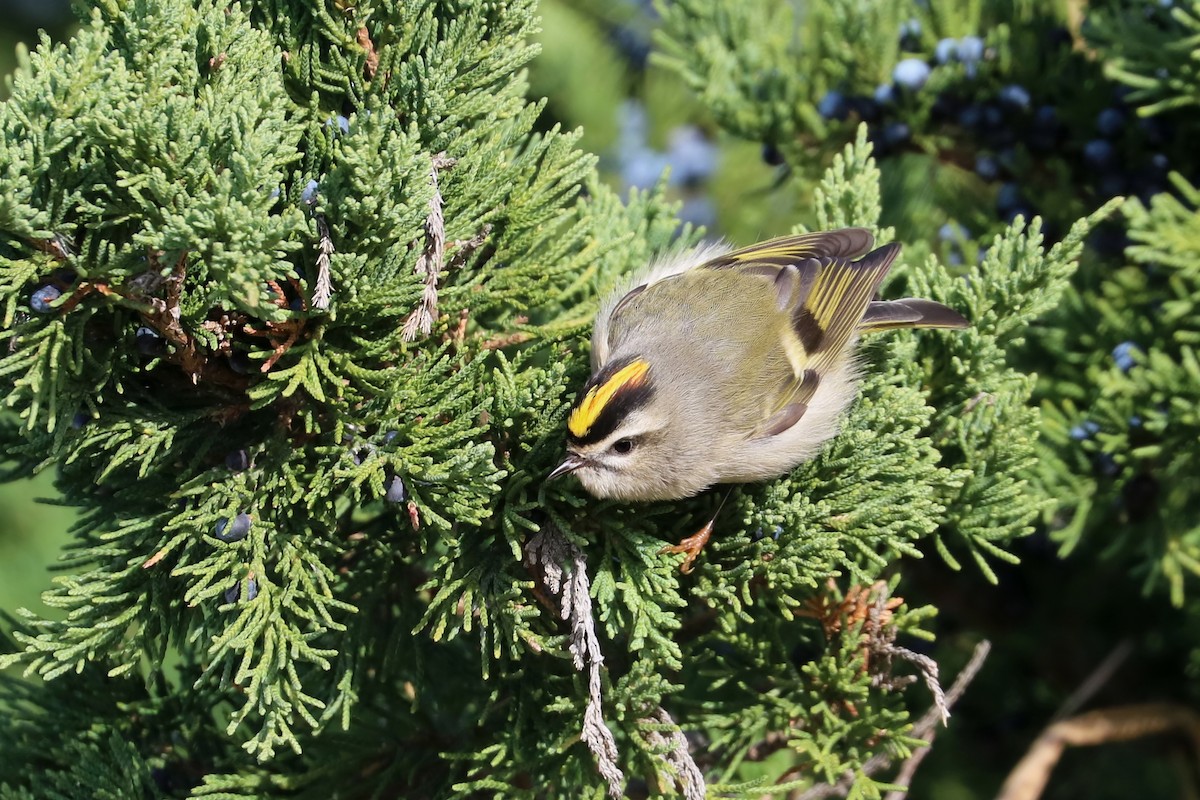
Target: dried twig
[(924, 729), (364, 41), (430, 262), (59, 247), (1028, 779), (464, 247), (323, 290), (1093, 683), (550, 551), (685, 771), (165, 317)]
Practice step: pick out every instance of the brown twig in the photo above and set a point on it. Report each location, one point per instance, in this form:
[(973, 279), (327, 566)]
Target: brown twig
[(508, 340), (364, 41), (464, 247), (1095, 681), (164, 316), (58, 247), (924, 729), (1028, 779)]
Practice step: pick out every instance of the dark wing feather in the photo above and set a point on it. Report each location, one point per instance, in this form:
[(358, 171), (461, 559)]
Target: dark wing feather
[(826, 317), (843, 243)]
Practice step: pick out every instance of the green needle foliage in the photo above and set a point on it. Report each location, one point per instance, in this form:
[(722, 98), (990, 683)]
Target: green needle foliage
[(295, 301)]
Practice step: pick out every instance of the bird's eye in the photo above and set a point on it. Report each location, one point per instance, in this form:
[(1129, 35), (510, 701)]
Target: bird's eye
[(622, 446)]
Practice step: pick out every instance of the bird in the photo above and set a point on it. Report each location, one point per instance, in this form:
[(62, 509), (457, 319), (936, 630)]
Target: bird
[(724, 366)]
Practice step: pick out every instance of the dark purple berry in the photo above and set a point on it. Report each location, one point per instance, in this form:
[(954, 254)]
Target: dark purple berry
[(1015, 96), (993, 117), (397, 492), (885, 94), (971, 117), (234, 592), (235, 532), (1084, 430), (148, 342), (953, 232), (239, 362), (1105, 465), (40, 300), (833, 105), (80, 419), (970, 49), (237, 460), (911, 73), (866, 108), (987, 167), (1046, 119), (1125, 355), (771, 155), (1099, 153), (896, 134), (1008, 198), (945, 51), (633, 44), (1109, 122), (1023, 211)]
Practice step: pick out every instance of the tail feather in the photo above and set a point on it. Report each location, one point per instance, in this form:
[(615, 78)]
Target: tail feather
[(910, 312)]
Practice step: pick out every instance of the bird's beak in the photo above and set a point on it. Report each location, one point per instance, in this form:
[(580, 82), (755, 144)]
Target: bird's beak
[(568, 465)]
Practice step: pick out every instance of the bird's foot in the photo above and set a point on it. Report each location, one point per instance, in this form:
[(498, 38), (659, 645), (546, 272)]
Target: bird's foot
[(691, 546)]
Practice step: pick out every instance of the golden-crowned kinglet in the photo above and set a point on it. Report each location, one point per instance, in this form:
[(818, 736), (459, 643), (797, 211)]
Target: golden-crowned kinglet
[(723, 366)]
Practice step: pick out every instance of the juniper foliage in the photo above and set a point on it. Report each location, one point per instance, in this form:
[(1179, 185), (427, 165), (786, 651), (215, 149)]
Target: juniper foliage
[(225, 229)]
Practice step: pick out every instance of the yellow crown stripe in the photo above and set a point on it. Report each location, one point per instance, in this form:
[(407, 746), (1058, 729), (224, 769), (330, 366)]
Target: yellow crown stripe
[(598, 397)]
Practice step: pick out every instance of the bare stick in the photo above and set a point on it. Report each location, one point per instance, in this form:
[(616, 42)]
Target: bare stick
[(1028, 779), (1100, 676)]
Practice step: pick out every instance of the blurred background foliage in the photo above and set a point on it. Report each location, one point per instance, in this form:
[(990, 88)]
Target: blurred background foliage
[(980, 110)]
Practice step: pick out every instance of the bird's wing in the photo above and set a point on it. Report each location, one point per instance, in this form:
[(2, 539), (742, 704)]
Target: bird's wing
[(765, 258), (825, 298)]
